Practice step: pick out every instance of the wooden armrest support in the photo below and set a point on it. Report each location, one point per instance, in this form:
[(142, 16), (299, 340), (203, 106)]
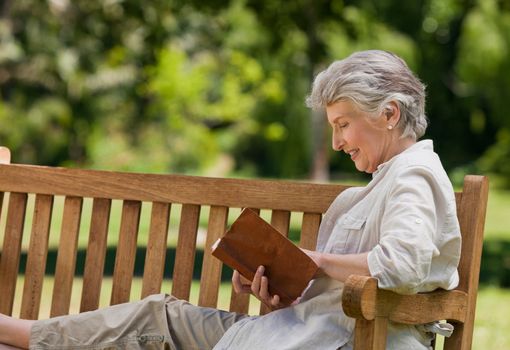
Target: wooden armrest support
[(362, 299)]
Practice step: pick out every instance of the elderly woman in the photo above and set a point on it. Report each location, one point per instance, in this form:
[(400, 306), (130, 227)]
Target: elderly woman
[(401, 229)]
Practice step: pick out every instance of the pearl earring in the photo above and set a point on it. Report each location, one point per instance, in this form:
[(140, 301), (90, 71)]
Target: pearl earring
[(390, 127)]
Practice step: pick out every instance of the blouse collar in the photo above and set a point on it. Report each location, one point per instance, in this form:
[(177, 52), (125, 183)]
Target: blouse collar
[(418, 146)]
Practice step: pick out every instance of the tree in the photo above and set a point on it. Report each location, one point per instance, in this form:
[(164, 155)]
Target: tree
[(483, 72), (200, 85)]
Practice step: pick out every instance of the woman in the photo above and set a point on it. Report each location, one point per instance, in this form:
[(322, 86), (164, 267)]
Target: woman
[(401, 229)]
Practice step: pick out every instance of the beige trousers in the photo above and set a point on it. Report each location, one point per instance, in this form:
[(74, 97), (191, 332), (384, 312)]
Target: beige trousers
[(156, 322)]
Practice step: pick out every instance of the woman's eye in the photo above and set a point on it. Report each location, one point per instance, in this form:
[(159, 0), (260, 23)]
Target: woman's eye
[(343, 125)]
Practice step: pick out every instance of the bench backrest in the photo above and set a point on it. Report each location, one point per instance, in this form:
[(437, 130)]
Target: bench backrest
[(195, 197)]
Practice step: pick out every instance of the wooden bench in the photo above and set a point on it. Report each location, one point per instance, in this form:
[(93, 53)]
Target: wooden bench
[(197, 199)]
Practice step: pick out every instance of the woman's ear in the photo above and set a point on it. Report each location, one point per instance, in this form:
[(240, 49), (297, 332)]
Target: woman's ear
[(391, 113)]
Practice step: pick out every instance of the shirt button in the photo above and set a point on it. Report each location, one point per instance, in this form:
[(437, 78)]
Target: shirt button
[(418, 221)]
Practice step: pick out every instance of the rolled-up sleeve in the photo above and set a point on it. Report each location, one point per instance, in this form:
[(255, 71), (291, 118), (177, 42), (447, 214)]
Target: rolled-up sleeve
[(401, 261)]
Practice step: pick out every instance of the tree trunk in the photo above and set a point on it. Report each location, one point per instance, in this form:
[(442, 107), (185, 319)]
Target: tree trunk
[(320, 144)]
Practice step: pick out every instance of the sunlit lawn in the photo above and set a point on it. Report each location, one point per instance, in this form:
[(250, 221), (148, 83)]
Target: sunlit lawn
[(498, 215), (492, 319)]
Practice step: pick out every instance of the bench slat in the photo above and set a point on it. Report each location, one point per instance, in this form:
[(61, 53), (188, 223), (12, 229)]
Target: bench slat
[(11, 252), (96, 254), (37, 254), (280, 220), (211, 267), (241, 302), (309, 229), (66, 259), (185, 251), (239, 193), (156, 249), (126, 252)]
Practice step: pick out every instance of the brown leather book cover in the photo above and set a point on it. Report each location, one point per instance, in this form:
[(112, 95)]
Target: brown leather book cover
[(251, 242)]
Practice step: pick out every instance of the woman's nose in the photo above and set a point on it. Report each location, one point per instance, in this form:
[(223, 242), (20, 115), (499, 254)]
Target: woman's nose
[(337, 142)]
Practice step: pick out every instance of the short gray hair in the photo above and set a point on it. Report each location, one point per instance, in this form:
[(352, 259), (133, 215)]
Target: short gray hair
[(371, 79)]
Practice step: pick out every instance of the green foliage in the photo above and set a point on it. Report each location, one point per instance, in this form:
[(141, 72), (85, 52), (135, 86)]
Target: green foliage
[(367, 32), (218, 87), (497, 158), (484, 73)]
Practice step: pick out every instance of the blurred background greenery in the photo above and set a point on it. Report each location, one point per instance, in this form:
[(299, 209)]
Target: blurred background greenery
[(217, 88)]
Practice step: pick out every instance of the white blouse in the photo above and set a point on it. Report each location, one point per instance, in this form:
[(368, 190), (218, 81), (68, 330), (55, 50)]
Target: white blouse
[(406, 219)]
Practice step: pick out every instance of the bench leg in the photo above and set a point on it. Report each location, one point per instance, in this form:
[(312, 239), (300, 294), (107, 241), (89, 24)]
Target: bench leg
[(370, 335)]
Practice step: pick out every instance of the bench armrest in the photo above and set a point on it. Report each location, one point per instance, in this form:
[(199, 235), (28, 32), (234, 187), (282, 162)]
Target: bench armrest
[(362, 299)]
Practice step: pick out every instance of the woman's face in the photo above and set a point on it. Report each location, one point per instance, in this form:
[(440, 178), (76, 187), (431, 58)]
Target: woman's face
[(367, 140)]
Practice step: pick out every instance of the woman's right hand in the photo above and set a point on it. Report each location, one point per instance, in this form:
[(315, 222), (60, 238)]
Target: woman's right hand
[(240, 284), (259, 287)]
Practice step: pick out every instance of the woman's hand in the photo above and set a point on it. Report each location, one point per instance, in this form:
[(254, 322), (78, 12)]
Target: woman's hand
[(259, 287), (240, 284)]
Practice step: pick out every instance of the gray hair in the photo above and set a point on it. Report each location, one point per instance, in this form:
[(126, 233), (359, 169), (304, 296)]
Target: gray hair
[(371, 79)]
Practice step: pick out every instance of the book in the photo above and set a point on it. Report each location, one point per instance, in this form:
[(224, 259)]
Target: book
[(251, 241)]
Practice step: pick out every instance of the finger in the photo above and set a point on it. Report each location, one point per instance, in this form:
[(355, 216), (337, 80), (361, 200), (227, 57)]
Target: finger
[(255, 284), (272, 301), (264, 289), (275, 301), (236, 282)]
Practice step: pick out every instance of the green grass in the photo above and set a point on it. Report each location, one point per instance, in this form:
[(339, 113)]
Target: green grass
[(492, 323), (497, 225)]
